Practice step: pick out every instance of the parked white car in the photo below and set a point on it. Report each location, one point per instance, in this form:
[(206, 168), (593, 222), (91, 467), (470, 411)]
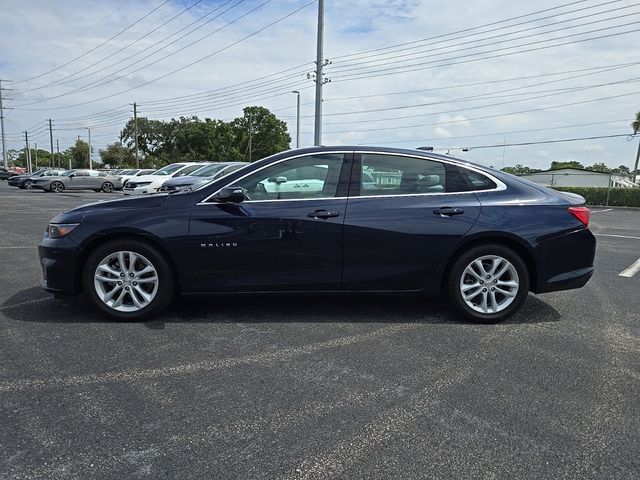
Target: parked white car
[(126, 175), (152, 183)]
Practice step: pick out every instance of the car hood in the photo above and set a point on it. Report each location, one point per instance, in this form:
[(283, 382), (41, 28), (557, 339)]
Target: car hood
[(77, 214), (149, 178)]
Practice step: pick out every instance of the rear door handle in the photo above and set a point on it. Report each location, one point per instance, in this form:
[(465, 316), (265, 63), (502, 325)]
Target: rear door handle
[(448, 211), (322, 214)]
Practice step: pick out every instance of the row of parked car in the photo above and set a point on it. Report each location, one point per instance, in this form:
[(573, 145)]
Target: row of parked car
[(176, 176)]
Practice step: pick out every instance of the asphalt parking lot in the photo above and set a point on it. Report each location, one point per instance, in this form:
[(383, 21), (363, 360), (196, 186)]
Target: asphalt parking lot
[(320, 387)]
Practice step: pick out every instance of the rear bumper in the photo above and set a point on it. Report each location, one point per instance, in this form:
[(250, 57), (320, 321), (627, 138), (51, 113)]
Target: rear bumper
[(565, 262)]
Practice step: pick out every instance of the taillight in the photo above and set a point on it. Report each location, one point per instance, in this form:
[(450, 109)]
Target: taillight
[(581, 213)]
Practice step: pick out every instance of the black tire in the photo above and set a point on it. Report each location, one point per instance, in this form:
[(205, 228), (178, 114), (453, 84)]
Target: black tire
[(107, 187), (455, 277), (27, 184), (56, 187), (166, 283)]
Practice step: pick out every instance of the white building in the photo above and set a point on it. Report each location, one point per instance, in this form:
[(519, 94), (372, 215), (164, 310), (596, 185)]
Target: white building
[(574, 177)]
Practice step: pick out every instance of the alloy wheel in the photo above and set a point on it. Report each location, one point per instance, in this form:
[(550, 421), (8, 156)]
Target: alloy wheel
[(126, 281), (489, 284), (57, 187), (27, 184)]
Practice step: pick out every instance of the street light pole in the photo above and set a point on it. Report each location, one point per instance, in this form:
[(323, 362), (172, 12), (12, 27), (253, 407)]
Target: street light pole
[(297, 118)]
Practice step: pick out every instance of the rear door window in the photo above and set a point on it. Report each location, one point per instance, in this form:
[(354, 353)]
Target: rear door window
[(399, 175)]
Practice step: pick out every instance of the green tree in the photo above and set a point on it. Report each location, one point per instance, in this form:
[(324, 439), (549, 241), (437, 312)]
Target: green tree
[(79, 154), (268, 134), (117, 156), (208, 140), (153, 136), (599, 167), (572, 164), (520, 170), (622, 169)]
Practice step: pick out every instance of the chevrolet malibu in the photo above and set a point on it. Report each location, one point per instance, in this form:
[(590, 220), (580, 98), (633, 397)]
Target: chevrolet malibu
[(424, 224)]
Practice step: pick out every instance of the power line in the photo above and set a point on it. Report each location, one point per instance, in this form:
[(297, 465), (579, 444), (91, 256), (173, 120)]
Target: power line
[(563, 140), (137, 61), (475, 42), (485, 117), (510, 132), (61, 80), (96, 47), (429, 65), (470, 29), (112, 76), (246, 37)]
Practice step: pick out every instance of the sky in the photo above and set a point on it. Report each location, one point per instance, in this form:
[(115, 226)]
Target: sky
[(469, 78)]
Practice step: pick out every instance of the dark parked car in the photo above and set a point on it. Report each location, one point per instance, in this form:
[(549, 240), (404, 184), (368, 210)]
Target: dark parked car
[(431, 224), (24, 181), (5, 174), (210, 172)]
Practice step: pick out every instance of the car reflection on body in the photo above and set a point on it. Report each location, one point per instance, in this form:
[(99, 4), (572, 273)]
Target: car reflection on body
[(424, 224), (153, 182), (78, 179), (207, 172)]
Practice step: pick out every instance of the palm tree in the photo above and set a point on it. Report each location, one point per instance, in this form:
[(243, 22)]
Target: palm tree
[(636, 129)]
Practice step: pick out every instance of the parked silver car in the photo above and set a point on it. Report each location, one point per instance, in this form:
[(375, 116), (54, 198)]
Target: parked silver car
[(79, 180)]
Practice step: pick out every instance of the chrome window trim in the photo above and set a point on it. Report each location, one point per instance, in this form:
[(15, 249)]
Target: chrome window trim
[(500, 185)]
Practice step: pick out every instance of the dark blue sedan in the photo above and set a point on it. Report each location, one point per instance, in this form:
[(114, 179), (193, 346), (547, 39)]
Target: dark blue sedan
[(342, 219)]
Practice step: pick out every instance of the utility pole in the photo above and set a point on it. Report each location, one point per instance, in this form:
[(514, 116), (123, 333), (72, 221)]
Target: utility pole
[(4, 146), (89, 130), (58, 153), (297, 118), (319, 75), (135, 130), (250, 134), (635, 169), (36, 149), (27, 151), (53, 164)]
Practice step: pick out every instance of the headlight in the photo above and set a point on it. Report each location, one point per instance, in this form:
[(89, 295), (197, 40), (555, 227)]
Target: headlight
[(59, 230)]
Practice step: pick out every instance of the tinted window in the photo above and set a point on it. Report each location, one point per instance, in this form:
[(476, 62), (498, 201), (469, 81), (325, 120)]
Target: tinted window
[(477, 181), (314, 176), (396, 175)]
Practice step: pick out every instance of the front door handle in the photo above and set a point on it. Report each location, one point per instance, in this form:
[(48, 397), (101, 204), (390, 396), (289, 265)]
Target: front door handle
[(322, 214), (448, 211)]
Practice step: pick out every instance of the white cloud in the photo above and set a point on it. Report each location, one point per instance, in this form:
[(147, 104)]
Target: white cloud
[(441, 132)]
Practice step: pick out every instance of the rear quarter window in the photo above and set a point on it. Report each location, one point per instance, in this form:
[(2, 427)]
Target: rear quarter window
[(477, 181)]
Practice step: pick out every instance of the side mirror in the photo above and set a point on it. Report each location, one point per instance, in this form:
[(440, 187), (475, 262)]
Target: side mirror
[(230, 194), (72, 175), (277, 180)]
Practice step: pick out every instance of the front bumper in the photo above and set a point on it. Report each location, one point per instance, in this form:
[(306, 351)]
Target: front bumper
[(140, 190), (59, 263)]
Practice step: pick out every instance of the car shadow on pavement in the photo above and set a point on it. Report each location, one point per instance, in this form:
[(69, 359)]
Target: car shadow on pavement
[(34, 305)]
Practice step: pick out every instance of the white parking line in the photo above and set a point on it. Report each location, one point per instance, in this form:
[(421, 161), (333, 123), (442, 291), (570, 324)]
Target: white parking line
[(22, 246), (615, 236), (600, 211), (631, 271)]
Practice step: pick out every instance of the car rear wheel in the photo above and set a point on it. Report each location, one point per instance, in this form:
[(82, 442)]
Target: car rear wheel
[(488, 283), (57, 187), (27, 184), (107, 187), (128, 280)]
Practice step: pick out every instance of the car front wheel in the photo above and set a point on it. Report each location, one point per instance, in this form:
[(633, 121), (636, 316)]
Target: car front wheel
[(488, 283), (107, 187), (128, 280)]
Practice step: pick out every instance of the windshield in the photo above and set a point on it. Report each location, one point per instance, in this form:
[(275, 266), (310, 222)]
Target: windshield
[(128, 172), (169, 169), (207, 170)]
